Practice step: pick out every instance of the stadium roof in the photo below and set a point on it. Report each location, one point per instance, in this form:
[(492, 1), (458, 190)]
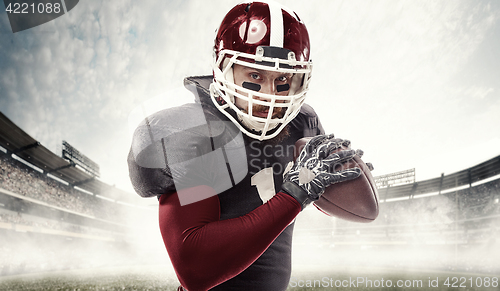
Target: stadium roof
[(482, 172), (18, 142)]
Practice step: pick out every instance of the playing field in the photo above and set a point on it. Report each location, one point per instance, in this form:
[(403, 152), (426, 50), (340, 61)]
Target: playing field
[(160, 278), (121, 278)]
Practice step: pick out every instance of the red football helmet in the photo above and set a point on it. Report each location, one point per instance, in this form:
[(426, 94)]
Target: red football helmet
[(263, 36)]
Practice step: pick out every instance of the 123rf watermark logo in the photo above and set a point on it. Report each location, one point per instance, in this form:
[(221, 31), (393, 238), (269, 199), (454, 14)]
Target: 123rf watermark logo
[(26, 14), (425, 284)]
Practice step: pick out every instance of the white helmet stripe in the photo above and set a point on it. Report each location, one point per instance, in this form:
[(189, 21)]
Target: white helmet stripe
[(276, 24)]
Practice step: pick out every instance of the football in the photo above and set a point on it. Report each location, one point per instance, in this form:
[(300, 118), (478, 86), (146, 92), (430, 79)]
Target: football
[(355, 200)]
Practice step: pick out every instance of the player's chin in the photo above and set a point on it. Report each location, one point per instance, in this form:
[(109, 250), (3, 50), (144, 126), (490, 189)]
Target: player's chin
[(278, 113), (262, 112)]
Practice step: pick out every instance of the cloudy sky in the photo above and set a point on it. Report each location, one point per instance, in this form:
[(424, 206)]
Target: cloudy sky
[(415, 84)]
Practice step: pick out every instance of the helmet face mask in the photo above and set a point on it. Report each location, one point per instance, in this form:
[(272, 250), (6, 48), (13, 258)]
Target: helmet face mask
[(288, 56)]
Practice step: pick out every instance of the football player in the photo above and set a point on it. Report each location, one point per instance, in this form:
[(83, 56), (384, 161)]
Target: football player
[(223, 167)]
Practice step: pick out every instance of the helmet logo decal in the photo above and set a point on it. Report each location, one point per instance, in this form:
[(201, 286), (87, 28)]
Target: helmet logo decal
[(255, 31)]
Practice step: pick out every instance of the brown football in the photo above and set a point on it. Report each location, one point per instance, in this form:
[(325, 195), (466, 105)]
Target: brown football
[(355, 200)]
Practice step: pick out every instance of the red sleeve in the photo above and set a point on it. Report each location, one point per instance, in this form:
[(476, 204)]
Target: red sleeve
[(206, 251)]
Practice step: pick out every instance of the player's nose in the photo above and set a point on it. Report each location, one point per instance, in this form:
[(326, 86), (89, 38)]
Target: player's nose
[(267, 88)]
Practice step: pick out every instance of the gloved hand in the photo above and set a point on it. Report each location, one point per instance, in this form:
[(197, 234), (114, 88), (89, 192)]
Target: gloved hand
[(314, 168)]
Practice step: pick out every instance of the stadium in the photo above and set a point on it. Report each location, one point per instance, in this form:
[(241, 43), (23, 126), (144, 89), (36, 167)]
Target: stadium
[(57, 215), (414, 84), (63, 228)]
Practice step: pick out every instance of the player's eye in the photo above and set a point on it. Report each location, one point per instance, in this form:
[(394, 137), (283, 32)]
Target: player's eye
[(282, 78), (255, 76)]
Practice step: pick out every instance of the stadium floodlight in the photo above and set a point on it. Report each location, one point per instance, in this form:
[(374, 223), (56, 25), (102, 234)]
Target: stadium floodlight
[(74, 156)]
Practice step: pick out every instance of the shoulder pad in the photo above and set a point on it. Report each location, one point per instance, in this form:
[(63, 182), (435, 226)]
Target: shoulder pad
[(308, 121), (200, 87), (307, 110), (192, 145)]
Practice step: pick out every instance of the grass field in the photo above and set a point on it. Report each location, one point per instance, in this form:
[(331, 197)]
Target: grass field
[(123, 278), (160, 278)]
